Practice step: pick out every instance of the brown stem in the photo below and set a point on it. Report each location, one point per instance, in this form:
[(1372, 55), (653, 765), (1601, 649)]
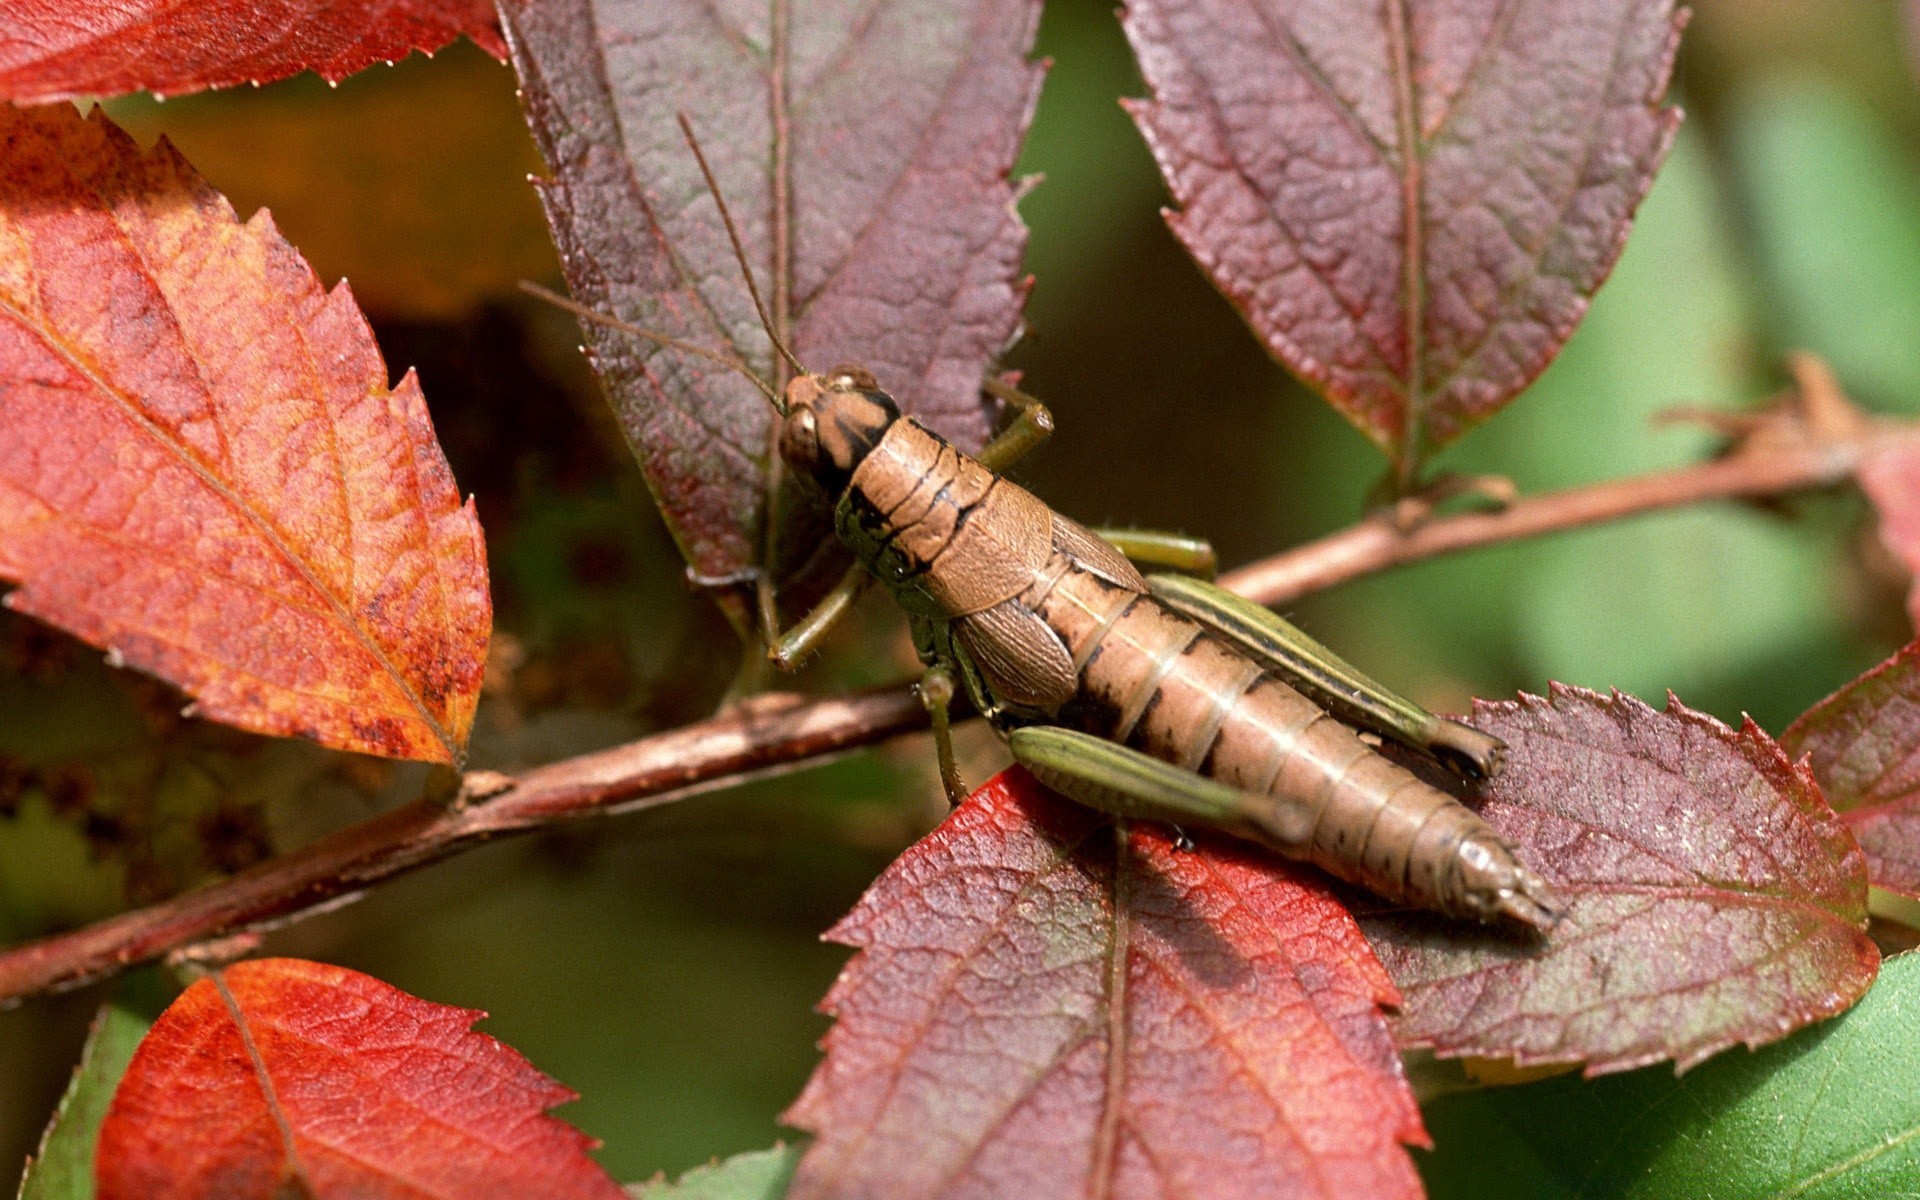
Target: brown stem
[(752, 739), (776, 732), (1380, 541)]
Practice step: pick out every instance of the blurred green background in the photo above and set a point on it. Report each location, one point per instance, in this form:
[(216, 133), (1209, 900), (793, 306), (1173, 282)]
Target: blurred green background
[(666, 965)]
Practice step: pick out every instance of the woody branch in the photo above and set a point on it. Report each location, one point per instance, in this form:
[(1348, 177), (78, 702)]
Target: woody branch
[(1816, 441)]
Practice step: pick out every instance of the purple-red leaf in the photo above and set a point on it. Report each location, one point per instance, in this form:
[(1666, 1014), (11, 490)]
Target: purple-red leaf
[(1411, 201), (59, 49), (1890, 477), (280, 1077), (864, 152), (203, 469), (1044, 1005), (1713, 897), (1863, 744)]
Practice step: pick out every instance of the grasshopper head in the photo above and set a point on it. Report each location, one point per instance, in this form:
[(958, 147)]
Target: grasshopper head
[(832, 421)]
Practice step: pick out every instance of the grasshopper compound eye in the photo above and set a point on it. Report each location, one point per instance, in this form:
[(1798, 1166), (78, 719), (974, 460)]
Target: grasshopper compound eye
[(831, 426), (800, 441), (852, 378)]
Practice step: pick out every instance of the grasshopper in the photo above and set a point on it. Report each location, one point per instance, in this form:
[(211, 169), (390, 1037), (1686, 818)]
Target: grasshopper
[(1147, 696)]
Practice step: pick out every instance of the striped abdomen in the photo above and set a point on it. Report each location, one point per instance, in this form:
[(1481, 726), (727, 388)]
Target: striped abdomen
[(1051, 625), (1155, 680)]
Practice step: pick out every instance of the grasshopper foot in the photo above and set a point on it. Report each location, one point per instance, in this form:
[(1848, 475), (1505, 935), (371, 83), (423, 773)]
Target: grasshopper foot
[(1473, 754)]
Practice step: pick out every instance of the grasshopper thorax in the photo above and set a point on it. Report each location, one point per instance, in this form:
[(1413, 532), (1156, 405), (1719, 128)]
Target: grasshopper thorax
[(832, 422)]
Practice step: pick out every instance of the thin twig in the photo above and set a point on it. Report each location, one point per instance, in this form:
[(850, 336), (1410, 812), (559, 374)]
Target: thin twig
[(1785, 453), (1379, 542), (762, 737)]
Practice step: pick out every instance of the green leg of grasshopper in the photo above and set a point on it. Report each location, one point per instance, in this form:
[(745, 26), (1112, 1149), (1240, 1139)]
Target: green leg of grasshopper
[(1330, 681), (788, 648), (936, 693), (1032, 425), (1112, 778), (1167, 551)]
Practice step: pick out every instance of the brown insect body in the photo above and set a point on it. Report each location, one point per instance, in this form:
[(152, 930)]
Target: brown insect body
[(1157, 681), (1048, 624), (1095, 680)]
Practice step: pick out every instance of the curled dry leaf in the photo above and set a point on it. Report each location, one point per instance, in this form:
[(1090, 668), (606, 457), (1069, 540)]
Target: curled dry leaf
[(59, 49), (1863, 745), (1411, 201), (1047, 1004), (202, 467), (1712, 896), (280, 1071), (864, 151)]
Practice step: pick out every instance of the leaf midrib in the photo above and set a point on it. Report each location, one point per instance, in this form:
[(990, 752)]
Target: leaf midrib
[(345, 616)]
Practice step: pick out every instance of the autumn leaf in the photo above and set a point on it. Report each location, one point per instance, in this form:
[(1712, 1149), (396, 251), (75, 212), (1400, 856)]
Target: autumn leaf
[(280, 1070), (1046, 1004), (202, 467), (1411, 201), (1712, 896), (864, 152), (1889, 476), (1863, 744), (60, 49)]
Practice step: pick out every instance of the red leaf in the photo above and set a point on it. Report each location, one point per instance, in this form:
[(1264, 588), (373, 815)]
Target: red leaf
[(1045, 1007), (1713, 897), (279, 1070), (202, 468), (865, 157), (59, 49), (1863, 743), (1890, 477), (1411, 201)]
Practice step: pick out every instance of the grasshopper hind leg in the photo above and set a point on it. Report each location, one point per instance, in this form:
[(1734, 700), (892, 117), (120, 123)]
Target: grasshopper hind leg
[(1329, 680), (1478, 877), (1032, 425), (1163, 551), (1113, 778)]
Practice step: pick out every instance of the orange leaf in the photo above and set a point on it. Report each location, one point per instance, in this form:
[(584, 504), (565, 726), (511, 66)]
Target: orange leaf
[(55, 49), (279, 1071), (202, 468)]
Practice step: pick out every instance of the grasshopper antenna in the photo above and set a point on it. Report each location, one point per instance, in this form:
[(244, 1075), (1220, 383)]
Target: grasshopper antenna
[(733, 236), (653, 335)]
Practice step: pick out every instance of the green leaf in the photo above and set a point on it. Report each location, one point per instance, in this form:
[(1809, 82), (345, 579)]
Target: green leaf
[(64, 1168), (1829, 1114), (1835, 206), (755, 1175), (1642, 606)]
